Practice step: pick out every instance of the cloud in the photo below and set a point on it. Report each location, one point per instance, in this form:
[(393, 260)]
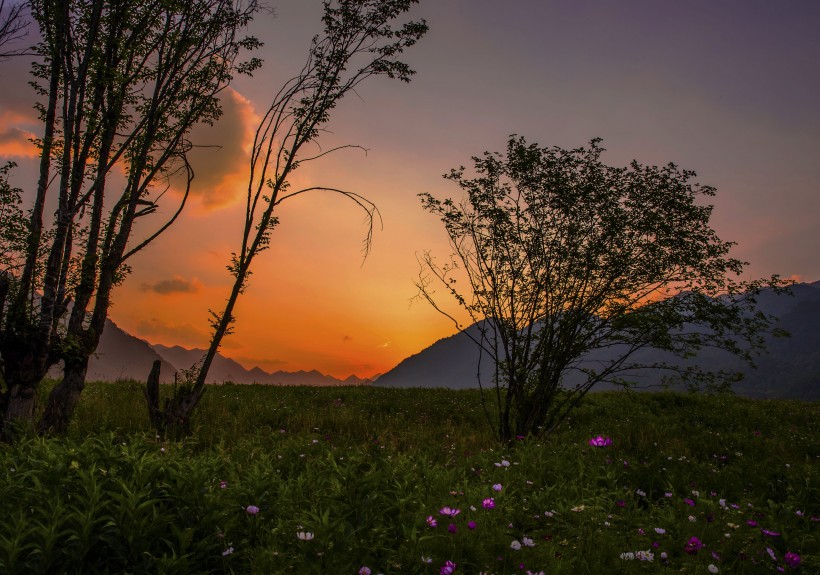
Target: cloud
[(14, 135), (185, 334), (221, 153), (383, 345), (176, 284)]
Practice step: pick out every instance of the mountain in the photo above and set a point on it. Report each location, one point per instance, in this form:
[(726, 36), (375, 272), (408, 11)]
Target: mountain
[(224, 369), (121, 356), (789, 369)]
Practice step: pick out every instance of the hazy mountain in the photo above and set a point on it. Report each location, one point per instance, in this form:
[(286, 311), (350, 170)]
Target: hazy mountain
[(122, 356), (790, 368), (224, 369)]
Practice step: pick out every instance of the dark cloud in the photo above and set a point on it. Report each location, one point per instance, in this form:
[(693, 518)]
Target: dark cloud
[(185, 335), (176, 284)]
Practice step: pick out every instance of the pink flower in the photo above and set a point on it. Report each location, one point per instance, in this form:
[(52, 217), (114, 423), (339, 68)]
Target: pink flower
[(497, 487), (770, 533), (792, 559), (365, 571), (448, 568), (251, 510), (452, 512), (689, 502), (452, 528), (600, 441), (471, 525), (488, 503), (223, 484), (693, 546), (431, 521)]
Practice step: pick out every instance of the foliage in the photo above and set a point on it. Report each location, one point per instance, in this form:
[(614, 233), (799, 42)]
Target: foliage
[(119, 86), (358, 471), (572, 267)]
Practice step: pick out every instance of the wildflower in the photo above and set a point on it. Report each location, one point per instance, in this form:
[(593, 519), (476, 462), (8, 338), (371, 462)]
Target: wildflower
[(640, 493), (645, 555), (600, 441), (527, 542), (488, 503), (578, 509), (515, 545), (223, 484), (798, 513), (227, 551), (251, 510), (431, 521), (549, 513), (497, 487), (668, 494), (471, 525), (620, 503), (365, 571), (427, 560), (693, 546), (451, 528), (771, 553), (304, 535), (641, 531), (452, 512), (770, 533), (448, 568), (722, 503), (751, 523), (712, 568), (660, 530), (628, 556), (692, 519), (696, 493), (689, 502), (663, 555), (792, 559)]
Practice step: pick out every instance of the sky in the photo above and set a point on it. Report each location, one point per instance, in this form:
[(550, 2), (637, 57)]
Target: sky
[(727, 89)]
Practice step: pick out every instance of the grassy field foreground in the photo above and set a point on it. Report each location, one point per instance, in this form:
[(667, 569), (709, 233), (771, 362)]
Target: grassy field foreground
[(368, 480)]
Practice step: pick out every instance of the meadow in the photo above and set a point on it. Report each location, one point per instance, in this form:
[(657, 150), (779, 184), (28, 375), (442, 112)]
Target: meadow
[(369, 480)]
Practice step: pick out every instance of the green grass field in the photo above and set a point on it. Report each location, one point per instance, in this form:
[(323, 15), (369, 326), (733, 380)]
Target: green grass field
[(368, 480)]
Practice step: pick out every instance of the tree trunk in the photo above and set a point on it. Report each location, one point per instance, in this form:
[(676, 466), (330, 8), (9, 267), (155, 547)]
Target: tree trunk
[(63, 398), (20, 405)]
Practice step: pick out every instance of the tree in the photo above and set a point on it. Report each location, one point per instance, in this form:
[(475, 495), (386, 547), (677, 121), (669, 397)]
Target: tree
[(358, 42), (13, 27), (122, 83), (572, 267)]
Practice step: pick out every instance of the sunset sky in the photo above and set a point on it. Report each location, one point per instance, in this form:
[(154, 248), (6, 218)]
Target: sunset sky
[(728, 89)]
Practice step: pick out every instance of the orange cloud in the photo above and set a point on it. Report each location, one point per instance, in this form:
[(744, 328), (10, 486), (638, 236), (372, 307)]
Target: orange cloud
[(14, 135), (159, 331), (221, 153)]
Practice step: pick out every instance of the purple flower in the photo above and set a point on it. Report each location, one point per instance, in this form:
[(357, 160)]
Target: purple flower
[(689, 502), (451, 512), (471, 525), (620, 503), (448, 568), (770, 533), (792, 559), (488, 503), (693, 546), (251, 510), (431, 521), (497, 487), (751, 523), (223, 484), (365, 571), (600, 441), (452, 528)]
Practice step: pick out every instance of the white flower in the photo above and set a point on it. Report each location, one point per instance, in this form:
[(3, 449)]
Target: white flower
[(640, 492), (515, 545), (227, 551), (304, 535), (722, 502), (427, 560), (660, 530), (528, 542), (696, 493), (629, 556), (692, 519), (712, 568), (645, 555), (663, 555)]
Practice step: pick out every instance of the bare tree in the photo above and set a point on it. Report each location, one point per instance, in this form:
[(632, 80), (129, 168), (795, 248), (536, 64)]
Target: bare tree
[(359, 41), (121, 83), (572, 267), (13, 27)]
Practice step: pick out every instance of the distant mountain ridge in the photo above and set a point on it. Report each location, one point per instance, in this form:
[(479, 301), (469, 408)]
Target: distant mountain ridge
[(789, 369), (121, 356)]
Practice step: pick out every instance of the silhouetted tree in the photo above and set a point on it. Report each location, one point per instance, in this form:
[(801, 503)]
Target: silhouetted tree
[(359, 41), (564, 256), (121, 84), (13, 26)]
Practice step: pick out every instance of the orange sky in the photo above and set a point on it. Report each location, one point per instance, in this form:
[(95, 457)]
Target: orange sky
[(730, 98)]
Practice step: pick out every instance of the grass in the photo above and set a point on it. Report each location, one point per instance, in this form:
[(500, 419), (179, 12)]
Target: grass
[(335, 480)]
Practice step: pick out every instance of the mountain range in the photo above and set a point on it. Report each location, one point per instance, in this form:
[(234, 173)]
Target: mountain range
[(121, 356), (790, 368)]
